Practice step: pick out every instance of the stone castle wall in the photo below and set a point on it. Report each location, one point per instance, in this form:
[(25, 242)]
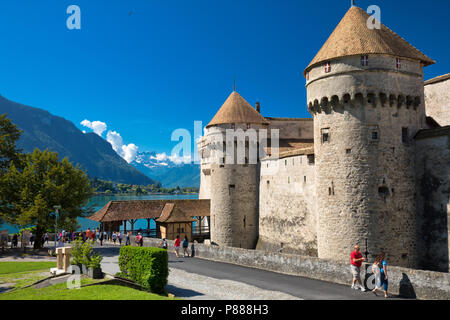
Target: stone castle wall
[(365, 168), (437, 100), (287, 220), (433, 201)]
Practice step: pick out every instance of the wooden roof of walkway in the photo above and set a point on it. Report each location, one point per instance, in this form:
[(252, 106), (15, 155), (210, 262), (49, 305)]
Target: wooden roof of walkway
[(162, 210)]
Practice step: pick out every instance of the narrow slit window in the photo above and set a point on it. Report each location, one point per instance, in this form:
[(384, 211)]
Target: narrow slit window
[(398, 62), (364, 61), (327, 67)]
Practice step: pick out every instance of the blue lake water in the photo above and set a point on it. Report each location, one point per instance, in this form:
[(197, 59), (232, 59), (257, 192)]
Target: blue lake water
[(98, 202)]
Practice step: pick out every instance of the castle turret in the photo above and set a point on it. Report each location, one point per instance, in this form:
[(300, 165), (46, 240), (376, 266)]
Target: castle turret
[(231, 178), (365, 93)]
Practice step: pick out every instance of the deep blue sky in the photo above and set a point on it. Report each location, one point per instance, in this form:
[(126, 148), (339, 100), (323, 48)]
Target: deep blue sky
[(172, 62)]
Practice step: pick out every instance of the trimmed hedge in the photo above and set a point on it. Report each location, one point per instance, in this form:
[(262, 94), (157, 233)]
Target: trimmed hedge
[(146, 266)]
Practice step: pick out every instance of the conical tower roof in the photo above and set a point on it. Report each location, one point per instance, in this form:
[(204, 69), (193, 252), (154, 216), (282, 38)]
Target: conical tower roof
[(353, 37), (237, 110)]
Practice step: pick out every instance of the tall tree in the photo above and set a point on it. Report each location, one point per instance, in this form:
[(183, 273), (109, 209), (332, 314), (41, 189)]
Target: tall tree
[(46, 182), (9, 156)]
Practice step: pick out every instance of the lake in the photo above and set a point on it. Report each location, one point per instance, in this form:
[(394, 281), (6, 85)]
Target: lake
[(98, 202)]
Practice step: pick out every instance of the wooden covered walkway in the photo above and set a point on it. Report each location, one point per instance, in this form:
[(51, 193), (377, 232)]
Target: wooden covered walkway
[(172, 217)]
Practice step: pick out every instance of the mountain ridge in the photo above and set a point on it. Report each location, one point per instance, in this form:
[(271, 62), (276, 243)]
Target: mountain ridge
[(43, 130)]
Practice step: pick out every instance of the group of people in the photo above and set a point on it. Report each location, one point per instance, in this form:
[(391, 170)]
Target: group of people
[(379, 269), (177, 245)]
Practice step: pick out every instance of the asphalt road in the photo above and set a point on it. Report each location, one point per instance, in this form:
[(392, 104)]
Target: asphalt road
[(300, 287)]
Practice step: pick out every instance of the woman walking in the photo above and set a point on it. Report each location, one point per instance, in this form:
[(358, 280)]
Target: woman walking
[(185, 246), (380, 261), (177, 246)]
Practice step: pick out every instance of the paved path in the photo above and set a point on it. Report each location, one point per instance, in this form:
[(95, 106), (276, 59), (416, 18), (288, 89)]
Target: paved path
[(195, 278)]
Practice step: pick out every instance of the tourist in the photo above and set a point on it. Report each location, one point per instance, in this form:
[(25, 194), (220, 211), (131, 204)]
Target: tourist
[(185, 246), (120, 236), (46, 237), (114, 237), (383, 275), (356, 260), (376, 271), (192, 250), (139, 240), (100, 238), (88, 233), (128, 242), (31, 238), (163, 244), (14, 240), (177, 246)]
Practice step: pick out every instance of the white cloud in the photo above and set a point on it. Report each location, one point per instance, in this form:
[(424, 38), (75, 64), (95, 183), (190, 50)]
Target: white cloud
[(97, 126), (128, 152)]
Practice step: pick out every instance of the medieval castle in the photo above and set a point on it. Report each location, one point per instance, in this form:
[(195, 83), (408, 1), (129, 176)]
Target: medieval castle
[(371, 167)]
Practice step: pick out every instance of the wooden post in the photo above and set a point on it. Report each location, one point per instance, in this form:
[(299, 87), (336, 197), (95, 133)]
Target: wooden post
[(125, 226), (148, 227)]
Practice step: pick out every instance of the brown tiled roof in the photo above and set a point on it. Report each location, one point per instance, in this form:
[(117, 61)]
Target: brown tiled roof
[(353, 37), (149, 209), (237, 110), (431, 133), (438, 79), (286, 145), (175, 213)]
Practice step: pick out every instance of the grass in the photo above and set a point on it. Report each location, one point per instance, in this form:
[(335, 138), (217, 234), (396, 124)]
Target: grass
[(22, 274), (16, 267), (95, 292)]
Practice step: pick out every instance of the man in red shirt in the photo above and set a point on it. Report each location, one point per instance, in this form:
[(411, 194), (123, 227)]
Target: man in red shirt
[(356, 260)]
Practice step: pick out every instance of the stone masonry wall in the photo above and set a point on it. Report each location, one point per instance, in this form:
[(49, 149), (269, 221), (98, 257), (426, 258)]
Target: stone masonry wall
[(437, 101), (433, 201), (287, 217)]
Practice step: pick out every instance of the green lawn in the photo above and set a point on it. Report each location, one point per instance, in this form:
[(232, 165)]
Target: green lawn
[(22, 274), (15, 267), (97, 292)]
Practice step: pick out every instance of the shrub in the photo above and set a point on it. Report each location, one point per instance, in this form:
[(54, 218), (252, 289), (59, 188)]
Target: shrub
[(83, 253), (146, 266)]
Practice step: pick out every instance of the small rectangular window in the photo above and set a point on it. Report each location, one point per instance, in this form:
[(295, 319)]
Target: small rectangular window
[(405, 136), (311, 159), (364, 61), (348, 151), (374, 135), (304, 178), (327, 67), (325, 135), (248, 125), (398, 62)]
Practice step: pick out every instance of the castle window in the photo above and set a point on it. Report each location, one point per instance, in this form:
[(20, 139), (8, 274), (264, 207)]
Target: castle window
[(233, 126), (374, 133), (310, 159), (230, 188), (248, 125), (405, 138), (398, 62), (325, 135), (289, 179), (348, 151), (304, 178), (327, 67), (285, 162), (364, 61)]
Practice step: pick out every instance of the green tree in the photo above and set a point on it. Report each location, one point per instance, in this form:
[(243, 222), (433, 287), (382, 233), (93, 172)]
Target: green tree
[(9, 156), (46, 182)]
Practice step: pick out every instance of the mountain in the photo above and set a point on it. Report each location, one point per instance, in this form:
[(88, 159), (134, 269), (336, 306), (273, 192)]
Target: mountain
[(43, 130), (170, 174)]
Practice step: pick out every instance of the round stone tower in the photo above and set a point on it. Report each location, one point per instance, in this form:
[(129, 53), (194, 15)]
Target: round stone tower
[(229, 151), (365, 92)]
